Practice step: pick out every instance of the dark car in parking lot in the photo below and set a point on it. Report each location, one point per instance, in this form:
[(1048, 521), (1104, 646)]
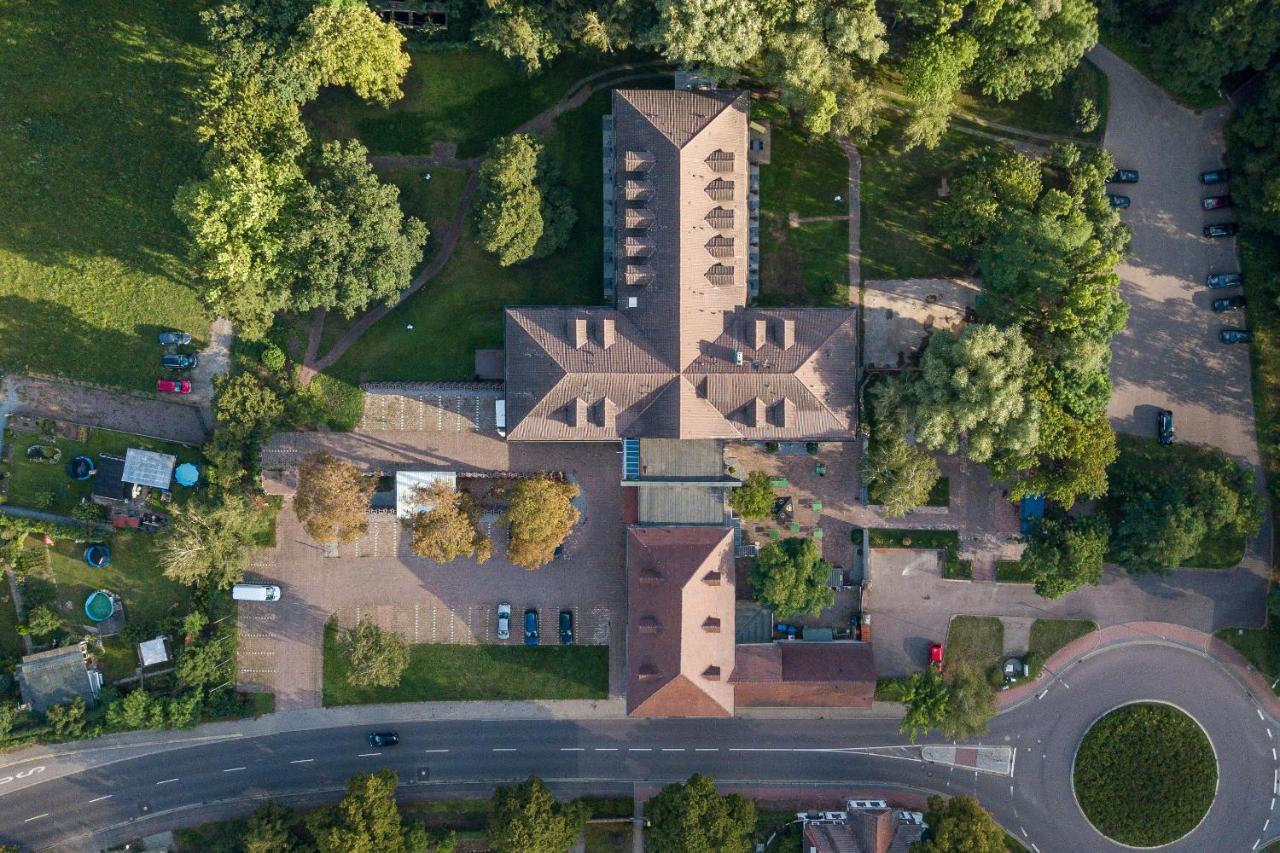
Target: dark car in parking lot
[(1235, 336), (1215, 176), (531, 635), (1215, 202), (1123, 176), (1119, 201), (178, 361), (174, 339), (380, 739), (566, 626), (1221, 229), (1229, 303), (1164, 426), (1222, 279)]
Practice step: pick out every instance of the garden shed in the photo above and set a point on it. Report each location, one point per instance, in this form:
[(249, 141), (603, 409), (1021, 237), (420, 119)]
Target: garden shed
[(57, 677), (148, 468)]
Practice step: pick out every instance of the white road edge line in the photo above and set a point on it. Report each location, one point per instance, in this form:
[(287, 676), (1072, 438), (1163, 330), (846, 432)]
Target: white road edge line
[(368, 754), (167, 781), (302, 761), (234, 769), (639, 749), (1259, 712), (37, 817), (573, 749), (1024, 831), (100, 799), (606, 749), (673, 749), (504, 749), (707, 749), (435, 750)]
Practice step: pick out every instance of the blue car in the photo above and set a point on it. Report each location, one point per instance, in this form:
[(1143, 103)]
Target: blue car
[(1123, 176), (178, 361), (1222, 279), (1235, 336), (1118, 201), (174, 339), (1215, 176), (531, 635)]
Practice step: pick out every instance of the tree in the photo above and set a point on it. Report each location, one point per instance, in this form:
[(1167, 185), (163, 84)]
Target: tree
[(1065, 554), (933, 73), (8, 717), (1254, 155), (377, 658), (926, 700), (355, 246), (42, 621), (508, 203), (183, 710), (67, 721), (540, 515), (1071, 458), (268, 829), (897, 475), (204, 664), (693, 818), (245, 406), (975, 386), (992, 183), (519, 31), (713, 36), (1245, 33), (346, 44), (332, 500), (1026, 46), (527, 819), (209, 541), (960, 825), (451, 528), (137, 710), (754, 498), (791, 577), (366, 820), (971, 703)]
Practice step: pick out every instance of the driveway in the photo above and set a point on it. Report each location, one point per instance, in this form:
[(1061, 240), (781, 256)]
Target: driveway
[(378, 577), (93, 405)]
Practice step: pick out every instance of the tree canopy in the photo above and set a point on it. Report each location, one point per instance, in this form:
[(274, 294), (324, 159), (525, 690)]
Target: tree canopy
[(691, 817), (754, 498), (960, 825), (378, 657), (451, 528), (898, 475), (366, 820), (540, 514), (209, 542), (522, 210), (791, 577), (332, 500), (1066, 553), (527, 819)]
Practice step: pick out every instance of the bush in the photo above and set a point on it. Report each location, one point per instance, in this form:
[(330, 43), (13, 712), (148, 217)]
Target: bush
[(754, 499), (273, 358)]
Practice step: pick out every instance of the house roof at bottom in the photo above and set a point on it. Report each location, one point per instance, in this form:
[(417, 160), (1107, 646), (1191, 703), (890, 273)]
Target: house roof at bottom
[(800, 674), (866, 831), (54, 677)]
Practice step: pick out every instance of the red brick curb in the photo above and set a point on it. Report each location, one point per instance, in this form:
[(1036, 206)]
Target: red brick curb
[(1150, 632), (807, 797)]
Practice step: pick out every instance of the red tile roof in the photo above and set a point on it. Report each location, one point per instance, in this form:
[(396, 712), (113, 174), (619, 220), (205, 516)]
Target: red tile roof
[(800, 674)]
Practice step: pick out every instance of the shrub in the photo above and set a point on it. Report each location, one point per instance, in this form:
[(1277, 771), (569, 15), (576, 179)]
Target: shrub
[(273, 358)]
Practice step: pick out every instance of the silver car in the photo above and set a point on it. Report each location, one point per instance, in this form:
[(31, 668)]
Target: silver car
[(504, 621)]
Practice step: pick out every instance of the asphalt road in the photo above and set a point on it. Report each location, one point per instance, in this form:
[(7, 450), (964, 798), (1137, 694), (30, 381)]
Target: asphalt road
[(147, 789)]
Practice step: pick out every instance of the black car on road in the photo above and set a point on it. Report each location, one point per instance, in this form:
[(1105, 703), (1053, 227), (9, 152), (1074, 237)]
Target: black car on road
[(531, 635), (1119, 201), (1221, 229), (1123, 176), (1222, 279), (1215, 176), (1229, 303), (1164, 426), (1235, 336), (381, 739), (566, 627)]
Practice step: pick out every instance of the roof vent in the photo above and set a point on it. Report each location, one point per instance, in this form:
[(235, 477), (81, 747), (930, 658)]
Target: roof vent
[(720, 246), (650, 625), (650, 576), (575, 414), (711, 625), (783, 413), (786, 333), (577, 332), (647, 672), (637, 161), (604, 412), (633, 302), (637, 190), (720, 160), (737, 357), (720, 189), (711, 673), (638, 218), (608, 331), (720, 275), (753, 413), (713, 578), (757, 333), (721, 218)]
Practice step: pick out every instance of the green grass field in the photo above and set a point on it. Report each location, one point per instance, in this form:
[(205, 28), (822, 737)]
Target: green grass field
[(97, 109), (976, 641), (1145, 775), (443, 673), (1050, 112), (1049, 635), (467, 97), (460, 309), (1260, 646), (435, 202)]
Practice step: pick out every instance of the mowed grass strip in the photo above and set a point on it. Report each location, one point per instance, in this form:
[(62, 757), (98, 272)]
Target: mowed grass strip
[(976, 641), (97, 114), (1145, 775), (444, 673)]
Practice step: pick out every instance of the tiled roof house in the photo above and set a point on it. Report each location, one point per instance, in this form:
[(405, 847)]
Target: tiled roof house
[(680, 355)]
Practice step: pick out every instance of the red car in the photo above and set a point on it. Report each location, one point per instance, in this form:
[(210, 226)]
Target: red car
[(1214, 202), (173, 386), (935, 656)]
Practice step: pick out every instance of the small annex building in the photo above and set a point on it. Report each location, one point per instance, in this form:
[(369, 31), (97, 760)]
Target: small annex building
[(57, 677)]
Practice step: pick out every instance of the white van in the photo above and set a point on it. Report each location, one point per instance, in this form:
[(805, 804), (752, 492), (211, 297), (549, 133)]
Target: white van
[(255, 592)]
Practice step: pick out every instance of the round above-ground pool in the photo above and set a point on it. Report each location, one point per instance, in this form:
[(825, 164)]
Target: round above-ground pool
[(81, 468), (187, 474), (99, 606), (97, 556)]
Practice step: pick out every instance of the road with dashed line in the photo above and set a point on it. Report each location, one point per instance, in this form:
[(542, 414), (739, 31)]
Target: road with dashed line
[(73, 803)]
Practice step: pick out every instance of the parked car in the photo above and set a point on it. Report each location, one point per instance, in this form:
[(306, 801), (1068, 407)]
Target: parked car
[(1123, 176), (1119, 201), (566, 627), (178, 361), (1229, 303), (1215, 176), (1164, 426), (1221, 229), (1215, 202), (174, 339), (504, 621), (935, 656), (1222, 279), (1235, 336), (173, 386), (531, 635), (380, 739), (255, 592)]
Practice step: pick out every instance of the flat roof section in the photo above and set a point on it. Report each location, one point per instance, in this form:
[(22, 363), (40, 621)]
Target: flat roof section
[(681, 458)]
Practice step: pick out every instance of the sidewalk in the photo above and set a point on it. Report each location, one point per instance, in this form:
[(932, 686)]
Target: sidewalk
[(1164, 633)]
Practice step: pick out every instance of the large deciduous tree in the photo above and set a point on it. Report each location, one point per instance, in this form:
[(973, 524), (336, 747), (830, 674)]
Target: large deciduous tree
[(713, 36), (332, 500), (377, 657), (540, 514), (366, 820), (960, 825), (209, 542), (527, 819), (791, 577), (692, 817), (1067, 553), (345, 43), (926, 699), (1255, 157), (522, 210), (451, 528), (898, 476), (268, 829), (754, 498)]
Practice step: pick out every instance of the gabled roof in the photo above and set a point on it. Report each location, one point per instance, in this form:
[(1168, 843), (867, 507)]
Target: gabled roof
[(56, 677), (805, 674), (679, 652), (148, 468)]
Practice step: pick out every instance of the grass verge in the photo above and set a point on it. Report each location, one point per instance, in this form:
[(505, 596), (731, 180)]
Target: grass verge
[(1051, 112), (1011, 571), (977, 641), (1049, 635), (443, 673), (1260, 646), (1145, 775), (953, 567)]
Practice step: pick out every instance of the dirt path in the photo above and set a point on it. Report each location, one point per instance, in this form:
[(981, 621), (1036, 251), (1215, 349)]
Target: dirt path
[(92, 405)]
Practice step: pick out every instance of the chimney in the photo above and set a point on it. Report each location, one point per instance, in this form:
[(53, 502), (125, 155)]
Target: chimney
[(757, 333), (784, 413), (577, 332), (608, 331), (712, 625), (786, 334), (711, 673), (712, 578)]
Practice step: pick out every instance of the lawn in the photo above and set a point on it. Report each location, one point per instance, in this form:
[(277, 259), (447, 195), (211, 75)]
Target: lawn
[(467, 96), (11, 647), (435, 202), (899, 199), (944, 540), (1145, 775), (47, 486), (1260, 646), (1011, 571), (976, 641), (790, 834), (443, 673), (607, 837), (1050, 112), (1049, 635), (97, 114), (1260, 265), (134, 575), (460, 309)]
